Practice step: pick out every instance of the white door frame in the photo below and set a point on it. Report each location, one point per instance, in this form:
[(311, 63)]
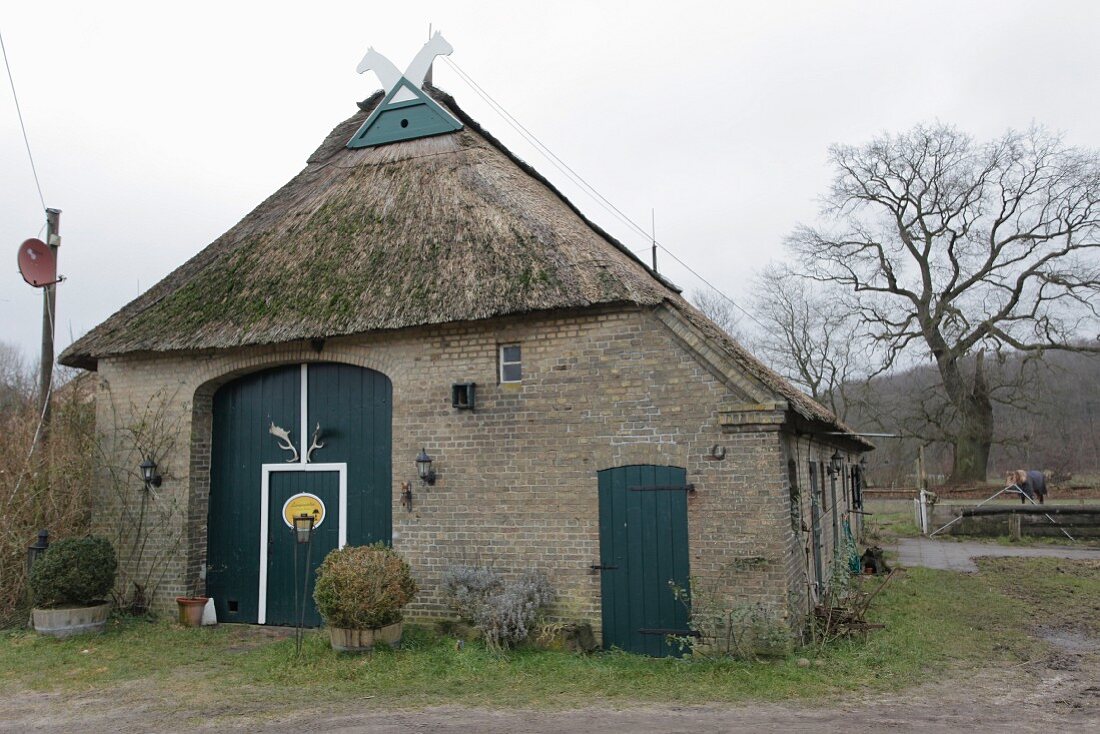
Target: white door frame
[(265, 505)]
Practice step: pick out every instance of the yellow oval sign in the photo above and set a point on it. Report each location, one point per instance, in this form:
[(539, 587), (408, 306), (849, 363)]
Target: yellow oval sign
[(304, 503)]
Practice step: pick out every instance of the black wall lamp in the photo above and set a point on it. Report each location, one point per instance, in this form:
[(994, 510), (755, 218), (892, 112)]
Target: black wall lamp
[(424, 468), (149, 473), (836, 462)]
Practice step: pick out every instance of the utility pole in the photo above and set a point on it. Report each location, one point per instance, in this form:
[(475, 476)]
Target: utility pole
[(49, 313)]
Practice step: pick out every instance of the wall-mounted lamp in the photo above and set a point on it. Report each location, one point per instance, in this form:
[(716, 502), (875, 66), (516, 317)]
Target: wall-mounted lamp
[(149, 473), (424, 468), (836, 462)]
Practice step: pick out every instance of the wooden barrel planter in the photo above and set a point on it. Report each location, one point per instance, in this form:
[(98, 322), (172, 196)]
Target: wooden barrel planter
[(352, 640), (68, 621)]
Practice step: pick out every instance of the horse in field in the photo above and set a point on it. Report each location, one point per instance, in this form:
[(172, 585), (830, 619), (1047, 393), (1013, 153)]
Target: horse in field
[(1031, 482)]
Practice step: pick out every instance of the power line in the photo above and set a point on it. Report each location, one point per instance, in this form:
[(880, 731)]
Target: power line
[(581, 182), (19, 112)]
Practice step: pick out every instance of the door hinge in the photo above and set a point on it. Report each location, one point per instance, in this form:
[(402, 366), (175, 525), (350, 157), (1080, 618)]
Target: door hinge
[(603, 567), (663, 488), (666, 632)]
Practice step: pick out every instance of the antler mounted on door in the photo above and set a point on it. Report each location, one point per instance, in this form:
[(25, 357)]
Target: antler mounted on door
[(315, 443), (284, 441)]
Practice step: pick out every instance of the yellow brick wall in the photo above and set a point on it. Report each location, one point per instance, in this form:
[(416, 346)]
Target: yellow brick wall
[(516, 481)]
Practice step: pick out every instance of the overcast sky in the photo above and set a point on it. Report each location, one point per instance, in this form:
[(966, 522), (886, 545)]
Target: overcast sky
[(158, 126)]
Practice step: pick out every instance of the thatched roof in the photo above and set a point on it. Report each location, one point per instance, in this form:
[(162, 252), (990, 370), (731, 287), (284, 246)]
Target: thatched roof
[(436, 230)]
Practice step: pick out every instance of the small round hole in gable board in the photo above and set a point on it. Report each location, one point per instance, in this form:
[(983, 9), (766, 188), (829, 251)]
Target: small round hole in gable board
[(404, 123)]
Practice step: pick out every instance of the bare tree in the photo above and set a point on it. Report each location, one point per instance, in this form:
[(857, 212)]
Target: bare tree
[(807, 335), (947, 247), (718, 309), (16, 378)]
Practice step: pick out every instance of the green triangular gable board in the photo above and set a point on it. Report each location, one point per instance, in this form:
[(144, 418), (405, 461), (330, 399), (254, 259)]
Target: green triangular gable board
[(413, 118)]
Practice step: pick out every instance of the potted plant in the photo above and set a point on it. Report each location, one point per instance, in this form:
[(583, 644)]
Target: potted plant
[(191, 608), (360, 592), (70, 585)]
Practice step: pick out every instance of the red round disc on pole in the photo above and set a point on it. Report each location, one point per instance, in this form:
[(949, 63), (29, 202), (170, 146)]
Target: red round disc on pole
[(37, 263)]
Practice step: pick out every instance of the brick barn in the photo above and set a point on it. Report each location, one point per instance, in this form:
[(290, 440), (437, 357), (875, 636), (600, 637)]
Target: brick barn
[(424, 290)]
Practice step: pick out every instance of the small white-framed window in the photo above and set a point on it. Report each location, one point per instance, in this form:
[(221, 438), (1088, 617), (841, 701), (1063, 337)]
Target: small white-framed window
[(510, 363)]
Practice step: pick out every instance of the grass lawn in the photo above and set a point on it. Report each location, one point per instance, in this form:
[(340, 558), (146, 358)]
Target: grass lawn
[(935, 622)]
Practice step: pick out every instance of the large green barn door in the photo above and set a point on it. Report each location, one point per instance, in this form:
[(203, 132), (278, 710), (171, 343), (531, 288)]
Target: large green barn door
[(643, 551), (353, 407), (240, 446), (348, 410)]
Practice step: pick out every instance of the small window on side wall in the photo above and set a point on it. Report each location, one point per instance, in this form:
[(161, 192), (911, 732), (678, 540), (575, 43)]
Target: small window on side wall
[(510, 363)]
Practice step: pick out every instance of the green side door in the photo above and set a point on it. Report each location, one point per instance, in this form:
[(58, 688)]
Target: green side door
[(286, 559), (643, 555)]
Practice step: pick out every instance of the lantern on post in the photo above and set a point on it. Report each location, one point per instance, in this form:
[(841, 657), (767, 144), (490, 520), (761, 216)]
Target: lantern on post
[(303, 527), (303, 535), (37, 548)]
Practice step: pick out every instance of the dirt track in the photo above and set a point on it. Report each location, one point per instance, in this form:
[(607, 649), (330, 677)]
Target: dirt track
[(1059, 693), (1058, 690)]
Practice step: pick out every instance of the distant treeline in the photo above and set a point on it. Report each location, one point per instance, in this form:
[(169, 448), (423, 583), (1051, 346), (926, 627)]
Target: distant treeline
[(1046, 417)]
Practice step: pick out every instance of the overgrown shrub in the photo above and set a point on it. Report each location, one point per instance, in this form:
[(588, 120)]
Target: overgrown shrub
[(74, 571), (49, 489), (363, 587), (725, 628), (504, 611)]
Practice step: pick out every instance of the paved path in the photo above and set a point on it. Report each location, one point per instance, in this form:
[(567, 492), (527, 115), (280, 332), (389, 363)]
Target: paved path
[(951, 555)]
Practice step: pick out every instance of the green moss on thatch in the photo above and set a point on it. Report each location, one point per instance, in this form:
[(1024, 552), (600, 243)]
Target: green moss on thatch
[(429, 231), (454, 226)]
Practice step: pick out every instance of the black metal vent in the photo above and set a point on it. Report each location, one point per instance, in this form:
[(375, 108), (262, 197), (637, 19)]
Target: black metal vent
[(463, 395)]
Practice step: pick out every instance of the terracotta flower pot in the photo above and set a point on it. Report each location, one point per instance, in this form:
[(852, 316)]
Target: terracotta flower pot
[(66, 621), (351, 640), (191, 610)]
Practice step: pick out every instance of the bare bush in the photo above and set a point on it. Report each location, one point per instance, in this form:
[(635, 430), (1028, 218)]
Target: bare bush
[(51, 492), (504, 611)]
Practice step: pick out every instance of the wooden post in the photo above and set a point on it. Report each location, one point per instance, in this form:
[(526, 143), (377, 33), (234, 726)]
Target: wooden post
[(49, 319), (922, 475)]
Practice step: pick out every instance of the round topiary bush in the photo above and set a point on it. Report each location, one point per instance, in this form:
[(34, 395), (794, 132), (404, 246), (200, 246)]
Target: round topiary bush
[(363, 587), (74, 571)]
